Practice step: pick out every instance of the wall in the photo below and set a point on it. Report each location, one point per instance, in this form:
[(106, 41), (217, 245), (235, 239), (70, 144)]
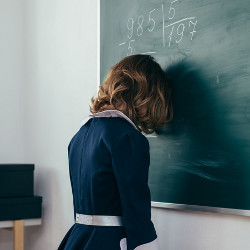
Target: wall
[(11, 80), (60, 80), (50, 66), (12, 139), (185, 230)]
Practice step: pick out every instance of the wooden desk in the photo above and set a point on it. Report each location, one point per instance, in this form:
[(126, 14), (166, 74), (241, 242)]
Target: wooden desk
[(18, 227)]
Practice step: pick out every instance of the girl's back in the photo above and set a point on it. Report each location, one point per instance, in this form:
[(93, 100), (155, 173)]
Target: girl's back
[(108, 163)]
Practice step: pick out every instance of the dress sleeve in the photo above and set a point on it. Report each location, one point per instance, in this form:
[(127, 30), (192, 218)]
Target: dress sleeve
[(130, 162)]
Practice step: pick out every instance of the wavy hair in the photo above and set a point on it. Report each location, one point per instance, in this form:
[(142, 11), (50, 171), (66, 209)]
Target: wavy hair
[(138, 87)]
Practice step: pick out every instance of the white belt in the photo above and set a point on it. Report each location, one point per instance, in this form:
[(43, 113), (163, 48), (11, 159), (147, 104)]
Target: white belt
[(99, 220)]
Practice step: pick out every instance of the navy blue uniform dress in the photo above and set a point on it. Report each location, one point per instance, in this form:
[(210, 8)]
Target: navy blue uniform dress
[(108, 164)]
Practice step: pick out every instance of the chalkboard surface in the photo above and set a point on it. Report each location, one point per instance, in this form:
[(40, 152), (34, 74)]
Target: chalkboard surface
[(203, 156)]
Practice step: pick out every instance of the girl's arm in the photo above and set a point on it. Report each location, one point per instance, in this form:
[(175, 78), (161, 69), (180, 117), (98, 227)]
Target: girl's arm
[(130, 163)]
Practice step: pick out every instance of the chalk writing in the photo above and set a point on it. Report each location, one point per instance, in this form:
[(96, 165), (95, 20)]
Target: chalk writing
[(130, 48), (151, 20), (173, 31), (130, 26), (140, 22), (193, 31), (171, 10), (180, 33)]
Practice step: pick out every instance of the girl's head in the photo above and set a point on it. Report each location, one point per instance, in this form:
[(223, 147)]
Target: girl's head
[(138, 87)]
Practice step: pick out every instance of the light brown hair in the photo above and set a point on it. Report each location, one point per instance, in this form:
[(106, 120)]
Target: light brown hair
[(138, 87)]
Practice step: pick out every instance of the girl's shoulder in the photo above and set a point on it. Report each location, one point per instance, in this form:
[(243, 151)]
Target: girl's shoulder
[(118, 128), (113, 128), (112, 124)]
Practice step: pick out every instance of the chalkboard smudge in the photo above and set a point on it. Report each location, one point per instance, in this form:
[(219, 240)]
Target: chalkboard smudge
[(218, 79)]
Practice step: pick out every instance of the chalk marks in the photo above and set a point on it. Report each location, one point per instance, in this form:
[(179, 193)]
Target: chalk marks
[(151, 21), (179, 31), (218, 79), (149, 52), (173, 30)]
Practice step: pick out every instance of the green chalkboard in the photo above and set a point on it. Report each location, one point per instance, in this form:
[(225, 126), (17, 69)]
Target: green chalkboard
[(203, 156)]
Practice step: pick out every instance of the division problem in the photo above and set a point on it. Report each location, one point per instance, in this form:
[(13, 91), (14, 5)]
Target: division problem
[(173, 30)]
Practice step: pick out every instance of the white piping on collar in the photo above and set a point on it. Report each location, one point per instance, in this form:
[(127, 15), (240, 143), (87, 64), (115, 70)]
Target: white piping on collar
[(108, 113)]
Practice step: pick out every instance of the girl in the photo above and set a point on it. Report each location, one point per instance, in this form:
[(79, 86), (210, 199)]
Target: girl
[(109, 159)]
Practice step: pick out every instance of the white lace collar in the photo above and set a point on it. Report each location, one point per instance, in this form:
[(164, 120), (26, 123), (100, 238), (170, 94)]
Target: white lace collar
[(108, 113)]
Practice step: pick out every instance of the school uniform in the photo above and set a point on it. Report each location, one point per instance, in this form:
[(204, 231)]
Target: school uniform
[(108, 165)]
